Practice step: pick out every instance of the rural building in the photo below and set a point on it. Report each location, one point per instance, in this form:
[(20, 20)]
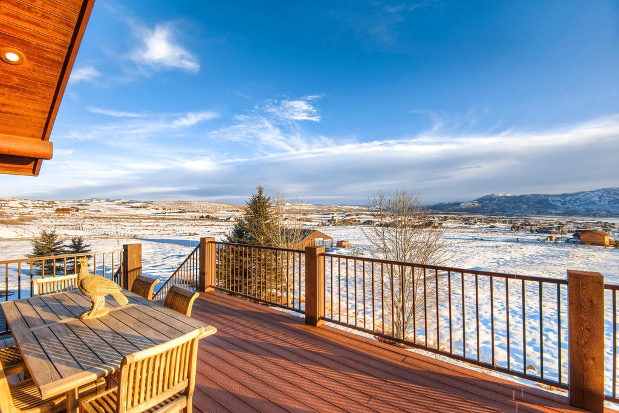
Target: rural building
[(342, 244), (309, 238), (599, 237)]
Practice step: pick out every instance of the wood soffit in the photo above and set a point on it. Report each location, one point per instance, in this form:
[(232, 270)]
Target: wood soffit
[(48, 33)]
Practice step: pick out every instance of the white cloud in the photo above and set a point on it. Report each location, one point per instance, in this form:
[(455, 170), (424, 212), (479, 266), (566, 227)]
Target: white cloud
[(115, 113), (84, 74), (138, 128), (63, 152), (274, 126), (193, 118), (254, 130), (158, 48), (300, 109)]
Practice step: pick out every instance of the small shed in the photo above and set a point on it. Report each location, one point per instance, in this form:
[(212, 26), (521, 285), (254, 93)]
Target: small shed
[(309, 238), (599, 237), (342, 244)]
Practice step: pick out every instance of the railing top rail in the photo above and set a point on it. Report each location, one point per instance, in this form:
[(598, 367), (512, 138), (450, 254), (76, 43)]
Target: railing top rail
[(260, 247), (452, 269), (614, 287), (55, 257)]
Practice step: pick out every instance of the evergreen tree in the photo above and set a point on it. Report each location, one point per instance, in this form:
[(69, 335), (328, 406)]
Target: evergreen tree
[(48, 244), (257, 223), (257, 272), (77, 246)]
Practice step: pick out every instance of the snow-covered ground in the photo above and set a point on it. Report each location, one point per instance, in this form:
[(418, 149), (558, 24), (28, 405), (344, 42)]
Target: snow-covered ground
[(497, 250)]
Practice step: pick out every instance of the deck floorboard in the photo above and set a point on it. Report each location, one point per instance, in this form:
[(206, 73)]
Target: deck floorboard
[(266, 360)]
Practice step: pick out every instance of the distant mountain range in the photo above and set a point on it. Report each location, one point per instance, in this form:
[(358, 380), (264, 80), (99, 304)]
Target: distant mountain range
[(598, 203)]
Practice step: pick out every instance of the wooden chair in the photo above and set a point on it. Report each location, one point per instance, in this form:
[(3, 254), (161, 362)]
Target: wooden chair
[(144, 286), (161, 378), (180, 299), (51, 285), (24, 397), (11, 357)]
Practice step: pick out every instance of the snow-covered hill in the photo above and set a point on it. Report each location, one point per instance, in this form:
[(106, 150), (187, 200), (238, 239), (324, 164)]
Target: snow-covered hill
[(598, 203)]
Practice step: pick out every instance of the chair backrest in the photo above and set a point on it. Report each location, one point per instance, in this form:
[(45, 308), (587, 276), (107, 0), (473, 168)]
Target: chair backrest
[(51, 285), (144, 286), (151, 376), (180, 299)]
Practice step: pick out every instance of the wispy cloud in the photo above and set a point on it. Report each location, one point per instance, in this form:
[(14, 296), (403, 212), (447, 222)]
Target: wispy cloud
[(115, 113), (193, 118), (274, 126), (158, 48), (299, 109), (84, 74), (380, 26), (139, 128), (404, 7)]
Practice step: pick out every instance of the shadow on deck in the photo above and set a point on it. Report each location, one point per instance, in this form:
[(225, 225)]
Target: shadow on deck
[(265, 360)]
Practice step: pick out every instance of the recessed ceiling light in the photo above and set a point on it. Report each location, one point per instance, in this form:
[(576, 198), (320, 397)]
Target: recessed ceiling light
[(12, 56)]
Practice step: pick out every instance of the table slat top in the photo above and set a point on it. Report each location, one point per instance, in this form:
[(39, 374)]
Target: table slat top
[(63, 352)]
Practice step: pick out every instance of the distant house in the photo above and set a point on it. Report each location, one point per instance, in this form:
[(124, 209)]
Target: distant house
[(63, 211), (599, 237), (307, 238)]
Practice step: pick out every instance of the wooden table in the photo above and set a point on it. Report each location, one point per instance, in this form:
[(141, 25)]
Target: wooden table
[(63, 353)]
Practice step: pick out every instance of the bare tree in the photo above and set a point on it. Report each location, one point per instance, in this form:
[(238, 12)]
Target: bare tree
[(403, 231), (286, 231)]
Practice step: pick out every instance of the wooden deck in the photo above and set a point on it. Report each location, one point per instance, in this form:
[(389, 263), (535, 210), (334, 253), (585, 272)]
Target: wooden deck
[(265, 360)]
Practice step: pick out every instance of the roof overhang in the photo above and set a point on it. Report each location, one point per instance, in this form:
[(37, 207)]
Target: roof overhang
[(42, 39)]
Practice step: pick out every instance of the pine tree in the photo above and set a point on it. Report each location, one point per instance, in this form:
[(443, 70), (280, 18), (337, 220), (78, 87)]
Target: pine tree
[(256, 225), (77, 246), (262, 273), (48, 244)]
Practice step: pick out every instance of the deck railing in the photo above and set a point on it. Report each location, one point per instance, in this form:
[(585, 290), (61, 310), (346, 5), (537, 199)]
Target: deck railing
[(611, 347), (519, 325), (510, 323), (270, 275), (187, 275), (17, 275)]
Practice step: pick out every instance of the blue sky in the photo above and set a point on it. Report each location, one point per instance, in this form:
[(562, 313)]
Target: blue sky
[(332, 101)]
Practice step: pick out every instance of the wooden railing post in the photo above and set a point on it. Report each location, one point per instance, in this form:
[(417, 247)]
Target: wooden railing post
[(132, 264), (314, 286), (207, 264), (586, 340)]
